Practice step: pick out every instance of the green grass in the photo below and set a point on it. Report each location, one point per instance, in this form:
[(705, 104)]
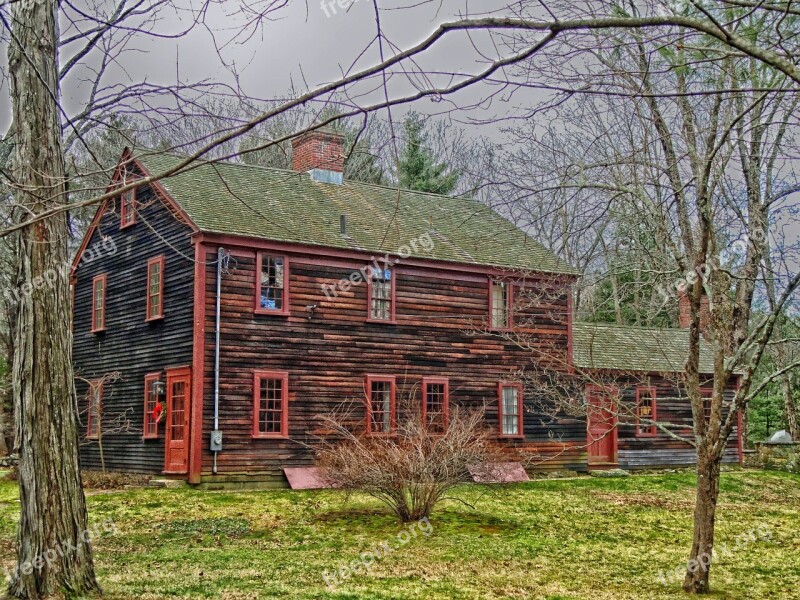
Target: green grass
[(580, 538)]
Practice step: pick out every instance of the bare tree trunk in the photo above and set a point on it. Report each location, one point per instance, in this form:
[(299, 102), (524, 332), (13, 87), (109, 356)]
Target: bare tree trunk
[(54, 556), (789, 406), (698, 568)]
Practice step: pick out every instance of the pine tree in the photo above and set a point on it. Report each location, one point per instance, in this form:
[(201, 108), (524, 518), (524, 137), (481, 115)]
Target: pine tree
[(417, 168)]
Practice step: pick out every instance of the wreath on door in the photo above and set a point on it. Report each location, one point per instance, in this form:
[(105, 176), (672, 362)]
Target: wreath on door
[(158, 413)]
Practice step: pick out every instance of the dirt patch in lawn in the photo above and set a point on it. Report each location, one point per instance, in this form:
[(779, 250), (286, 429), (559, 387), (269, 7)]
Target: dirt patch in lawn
[(647, 501)]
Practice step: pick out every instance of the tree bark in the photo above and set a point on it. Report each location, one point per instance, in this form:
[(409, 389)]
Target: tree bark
[(696, 580), (789, 406), (54, 556)]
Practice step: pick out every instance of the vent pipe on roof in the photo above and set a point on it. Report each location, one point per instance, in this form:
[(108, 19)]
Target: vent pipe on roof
[(320, 153), (343, 224)]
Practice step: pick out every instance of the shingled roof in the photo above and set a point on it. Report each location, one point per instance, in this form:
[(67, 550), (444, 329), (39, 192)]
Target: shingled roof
[(286, 206), (626, 348)]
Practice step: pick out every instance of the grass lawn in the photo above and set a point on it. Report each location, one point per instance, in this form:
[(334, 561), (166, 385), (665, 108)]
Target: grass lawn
[(580, 538)]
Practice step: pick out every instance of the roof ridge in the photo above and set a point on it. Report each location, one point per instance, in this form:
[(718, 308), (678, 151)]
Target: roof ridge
[(637, 327)]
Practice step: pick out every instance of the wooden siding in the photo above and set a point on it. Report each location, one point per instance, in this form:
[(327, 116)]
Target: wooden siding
[(129, 344), (661, 450), (329, 350)]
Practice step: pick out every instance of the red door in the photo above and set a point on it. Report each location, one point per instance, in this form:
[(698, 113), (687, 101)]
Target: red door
[(179, 383), (601, 425)]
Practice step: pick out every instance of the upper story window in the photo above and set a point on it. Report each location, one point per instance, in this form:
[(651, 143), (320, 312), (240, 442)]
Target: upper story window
[(380, 404), (435, 403), (500, 298), (510, 409), (270, 404), (155, 288), (645, 411), (272, 284), (99, 284), (380, 295), (153, 408), (127, 208), (94, 412)]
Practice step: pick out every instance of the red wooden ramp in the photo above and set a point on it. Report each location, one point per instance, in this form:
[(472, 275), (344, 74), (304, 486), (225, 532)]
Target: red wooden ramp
[(306, 478)]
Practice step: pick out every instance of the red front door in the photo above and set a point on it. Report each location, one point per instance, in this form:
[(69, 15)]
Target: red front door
[(601, 425), (179, 385)]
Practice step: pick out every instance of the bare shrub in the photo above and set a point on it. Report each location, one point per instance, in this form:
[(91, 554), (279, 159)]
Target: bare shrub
[(413, 469)]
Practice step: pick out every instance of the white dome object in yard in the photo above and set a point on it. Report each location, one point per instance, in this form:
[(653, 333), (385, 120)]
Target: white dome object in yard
[(780, 437)]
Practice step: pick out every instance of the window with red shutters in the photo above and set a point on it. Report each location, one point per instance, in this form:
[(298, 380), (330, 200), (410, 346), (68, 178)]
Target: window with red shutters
[(270, 404), (272, 284), (509, 397), (645, 411), (155, 288), (381, 417), (99, 285), (94, 409), (435, 403)]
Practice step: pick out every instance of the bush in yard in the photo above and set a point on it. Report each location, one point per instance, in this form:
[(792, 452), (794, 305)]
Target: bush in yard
[(413, 469)]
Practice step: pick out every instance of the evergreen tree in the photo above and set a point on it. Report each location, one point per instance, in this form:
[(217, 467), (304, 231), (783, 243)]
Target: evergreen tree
[(417, 168)]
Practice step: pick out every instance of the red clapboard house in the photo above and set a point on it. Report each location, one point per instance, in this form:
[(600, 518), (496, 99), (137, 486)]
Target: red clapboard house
[(237, 305)]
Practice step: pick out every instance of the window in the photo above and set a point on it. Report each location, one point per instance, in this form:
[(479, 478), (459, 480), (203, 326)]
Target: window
[(155, 288), (500, 304), (127, 209), (94, 412), (99, 284), (435, 403), (152, 407), (380, 295), (645, 411), (380, 404), (271, 405), (273, 284), (510, 409)]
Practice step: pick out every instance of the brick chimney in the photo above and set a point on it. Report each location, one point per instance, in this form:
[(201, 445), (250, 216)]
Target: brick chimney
[(685, 310), (320, 153)]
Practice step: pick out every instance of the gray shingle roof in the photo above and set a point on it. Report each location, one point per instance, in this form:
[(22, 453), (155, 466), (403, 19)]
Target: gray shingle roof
[(286, 206), (625, 348)]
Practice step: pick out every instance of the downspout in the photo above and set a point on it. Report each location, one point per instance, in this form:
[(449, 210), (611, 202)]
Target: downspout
[(220, 259)]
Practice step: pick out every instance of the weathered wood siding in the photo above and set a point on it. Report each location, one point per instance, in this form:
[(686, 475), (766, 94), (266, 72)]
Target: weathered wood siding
[(130, 345), (674, 408), (328, 353)]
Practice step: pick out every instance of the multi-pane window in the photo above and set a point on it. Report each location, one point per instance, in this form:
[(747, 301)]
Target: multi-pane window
[(271, 291), (99, 284), (155, 288), (645, 411), (380, 295), (380, 404), (500, 304), (271, 405), (151, 406), (127, 208), (435, 404), (94, 412), (510, 409)]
